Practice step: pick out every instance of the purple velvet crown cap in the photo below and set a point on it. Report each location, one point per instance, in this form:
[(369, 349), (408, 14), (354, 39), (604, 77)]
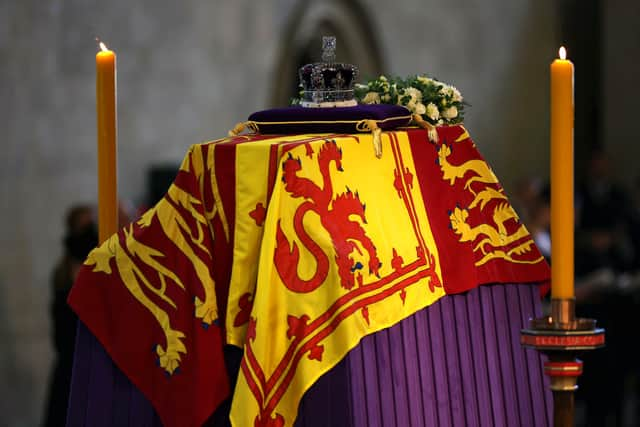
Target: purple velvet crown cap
[(298, 120)]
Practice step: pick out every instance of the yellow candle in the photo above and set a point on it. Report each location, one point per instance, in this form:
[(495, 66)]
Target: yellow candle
[(562, 216), (107, 142)]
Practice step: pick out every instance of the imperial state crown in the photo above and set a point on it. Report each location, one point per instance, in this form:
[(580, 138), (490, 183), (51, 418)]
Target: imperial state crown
[(328, 83)]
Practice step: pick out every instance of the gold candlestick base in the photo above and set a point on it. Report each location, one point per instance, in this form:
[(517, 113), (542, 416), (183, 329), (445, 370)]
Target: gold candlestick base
[(561, 336)]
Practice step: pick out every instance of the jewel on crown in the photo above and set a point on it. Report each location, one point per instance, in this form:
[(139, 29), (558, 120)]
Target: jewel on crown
[(328, 83)]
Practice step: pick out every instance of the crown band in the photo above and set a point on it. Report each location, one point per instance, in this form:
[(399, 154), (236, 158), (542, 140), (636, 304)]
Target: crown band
[(327, 95)]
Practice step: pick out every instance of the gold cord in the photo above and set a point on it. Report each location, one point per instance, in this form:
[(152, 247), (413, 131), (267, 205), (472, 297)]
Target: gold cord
[(238, 128)]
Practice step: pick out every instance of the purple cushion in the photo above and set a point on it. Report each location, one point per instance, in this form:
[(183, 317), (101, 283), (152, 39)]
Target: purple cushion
[(296, 120)]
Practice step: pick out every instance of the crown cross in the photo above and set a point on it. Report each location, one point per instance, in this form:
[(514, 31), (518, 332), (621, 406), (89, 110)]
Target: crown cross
[(329, 49)]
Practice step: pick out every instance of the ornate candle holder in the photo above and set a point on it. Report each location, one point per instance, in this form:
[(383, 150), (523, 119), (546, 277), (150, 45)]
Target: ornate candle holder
[(562, 336)]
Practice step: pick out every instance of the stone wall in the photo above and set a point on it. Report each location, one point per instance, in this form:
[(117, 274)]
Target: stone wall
[(187, 72)]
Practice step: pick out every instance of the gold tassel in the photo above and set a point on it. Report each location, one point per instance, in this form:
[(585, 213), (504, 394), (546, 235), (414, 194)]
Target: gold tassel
[(376, 132), (238, 128), (432, 133), (377, 141)]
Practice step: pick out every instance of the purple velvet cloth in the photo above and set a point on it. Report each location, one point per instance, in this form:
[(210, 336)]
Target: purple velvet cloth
[(456, 363), (300, 120)]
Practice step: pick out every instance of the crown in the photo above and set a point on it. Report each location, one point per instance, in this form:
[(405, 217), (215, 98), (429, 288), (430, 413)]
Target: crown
[(328, 83)]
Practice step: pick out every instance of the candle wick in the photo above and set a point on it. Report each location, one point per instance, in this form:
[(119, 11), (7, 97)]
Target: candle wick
[(562, 52), (103, 47)]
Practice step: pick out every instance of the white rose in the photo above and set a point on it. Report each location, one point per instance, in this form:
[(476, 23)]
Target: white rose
[(457, 96), (411, 105), (432, 111), (414, 93), (420, 108), (450, 113), (371, 98), (453, 93), (386, 98)]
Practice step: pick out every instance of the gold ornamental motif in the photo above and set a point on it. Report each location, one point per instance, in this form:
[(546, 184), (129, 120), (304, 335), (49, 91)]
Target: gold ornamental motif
[(496, 240)]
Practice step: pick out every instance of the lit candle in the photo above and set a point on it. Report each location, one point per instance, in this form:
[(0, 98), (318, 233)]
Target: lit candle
[(107, 142), (562, 216)]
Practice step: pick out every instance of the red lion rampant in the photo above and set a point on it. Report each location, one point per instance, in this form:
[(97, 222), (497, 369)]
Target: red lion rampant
[(334, 216)]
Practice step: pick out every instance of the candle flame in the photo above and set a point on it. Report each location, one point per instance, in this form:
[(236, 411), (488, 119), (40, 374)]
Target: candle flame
[(562, 52), (103, 47)]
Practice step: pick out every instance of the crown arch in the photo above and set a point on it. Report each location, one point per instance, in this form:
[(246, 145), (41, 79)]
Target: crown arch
[(301, 43)]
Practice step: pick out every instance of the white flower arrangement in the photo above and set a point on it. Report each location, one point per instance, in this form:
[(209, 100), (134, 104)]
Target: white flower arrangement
[(435, 102)]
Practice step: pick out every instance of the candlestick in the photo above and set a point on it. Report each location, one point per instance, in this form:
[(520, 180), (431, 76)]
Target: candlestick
[(107, 142), (562, 216), (562, 336)]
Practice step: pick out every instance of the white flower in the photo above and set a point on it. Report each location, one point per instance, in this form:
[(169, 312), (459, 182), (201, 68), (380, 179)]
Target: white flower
[(452, 92), (420, 108), (414, 93), (432, 111), (450, 113), (423, 79), (411, 105), (371, 98), (386, 97), (457, 96), (383, 83)]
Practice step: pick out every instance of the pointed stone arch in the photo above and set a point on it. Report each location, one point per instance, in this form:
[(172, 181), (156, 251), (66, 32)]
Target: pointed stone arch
[(302, 37)]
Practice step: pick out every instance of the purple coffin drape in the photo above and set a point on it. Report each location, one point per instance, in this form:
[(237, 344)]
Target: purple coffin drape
[(456, 363)]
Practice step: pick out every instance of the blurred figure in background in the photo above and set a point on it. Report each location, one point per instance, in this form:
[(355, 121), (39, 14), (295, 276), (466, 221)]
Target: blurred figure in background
[(80, 238), (602, 221), (604, 257), (634, 230), (532, 202)]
